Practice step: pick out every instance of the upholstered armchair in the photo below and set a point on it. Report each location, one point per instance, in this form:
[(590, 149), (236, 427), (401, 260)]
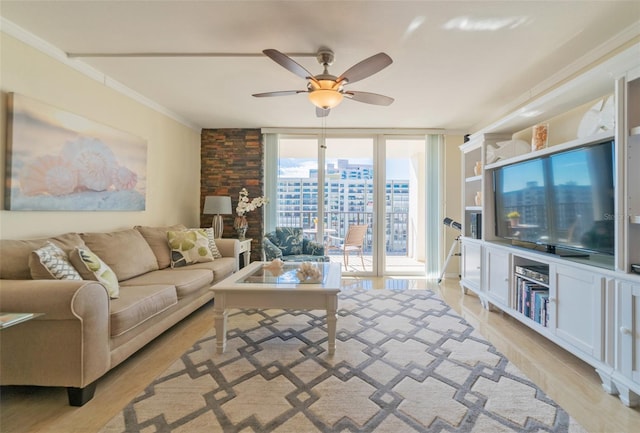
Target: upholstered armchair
[(290, 245)]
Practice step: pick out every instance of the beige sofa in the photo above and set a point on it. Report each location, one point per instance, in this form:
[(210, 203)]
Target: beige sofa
[(82, 333)]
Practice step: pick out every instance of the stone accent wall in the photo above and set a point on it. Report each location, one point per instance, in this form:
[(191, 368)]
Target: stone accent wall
[(232, 159)]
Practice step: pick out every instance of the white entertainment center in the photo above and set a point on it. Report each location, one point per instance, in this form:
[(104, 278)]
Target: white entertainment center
[(589, 304)]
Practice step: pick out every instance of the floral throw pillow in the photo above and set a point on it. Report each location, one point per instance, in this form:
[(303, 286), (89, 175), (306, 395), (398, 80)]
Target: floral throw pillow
[(188, 247), (289, 240), (56, 261), (212, 244), (93, 268)]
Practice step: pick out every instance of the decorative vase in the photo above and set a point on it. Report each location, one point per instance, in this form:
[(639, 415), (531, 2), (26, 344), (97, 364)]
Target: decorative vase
[(477, 169), (478, 198), (241, 225)]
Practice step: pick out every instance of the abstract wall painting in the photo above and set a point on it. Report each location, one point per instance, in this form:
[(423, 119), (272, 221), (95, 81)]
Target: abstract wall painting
[(59, 161)]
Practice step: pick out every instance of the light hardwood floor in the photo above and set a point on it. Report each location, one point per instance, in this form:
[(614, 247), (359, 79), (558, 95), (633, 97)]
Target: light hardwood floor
[(566, 379)]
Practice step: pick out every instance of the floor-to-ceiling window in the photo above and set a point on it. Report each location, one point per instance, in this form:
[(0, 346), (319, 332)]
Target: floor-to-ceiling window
[(329, 182), (296, 198), (405, 202)]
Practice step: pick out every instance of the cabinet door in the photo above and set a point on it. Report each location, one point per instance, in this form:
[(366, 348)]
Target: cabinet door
[(471, 264), (628, 338), (578, 296), (497, 264)]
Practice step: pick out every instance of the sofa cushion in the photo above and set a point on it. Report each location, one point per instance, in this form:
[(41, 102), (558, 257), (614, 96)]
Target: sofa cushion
[(138, 304), (289, 240), (185, 282), (221, 268), (188, 247), (156, 237), (15, 255), (91, 267), (305, 258), (312, 247), (55, 261), (126, 252)]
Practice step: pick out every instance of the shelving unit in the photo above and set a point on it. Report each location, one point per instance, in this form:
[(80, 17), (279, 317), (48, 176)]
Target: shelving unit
[(475, 185), (632, 99), (472, 164), (626, 373), (624, 380), (589, 305)]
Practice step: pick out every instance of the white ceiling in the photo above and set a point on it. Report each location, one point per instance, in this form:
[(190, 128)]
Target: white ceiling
[(452, 68)]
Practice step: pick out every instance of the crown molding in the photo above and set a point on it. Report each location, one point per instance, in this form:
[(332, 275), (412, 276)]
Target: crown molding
[(54, 52), (353, 131)]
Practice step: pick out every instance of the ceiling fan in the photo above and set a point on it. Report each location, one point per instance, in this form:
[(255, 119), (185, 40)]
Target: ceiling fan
[(326, 91)]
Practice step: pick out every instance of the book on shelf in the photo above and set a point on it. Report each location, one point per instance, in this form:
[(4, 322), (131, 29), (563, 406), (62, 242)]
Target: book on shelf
[(9, 319), (532, 299), (541, 307)]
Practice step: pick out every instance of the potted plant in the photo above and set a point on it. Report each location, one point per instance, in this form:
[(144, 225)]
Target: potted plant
[(514, 217), (245, 205)]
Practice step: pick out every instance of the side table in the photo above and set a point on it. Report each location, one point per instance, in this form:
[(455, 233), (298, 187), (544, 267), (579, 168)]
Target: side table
[(245, 252)]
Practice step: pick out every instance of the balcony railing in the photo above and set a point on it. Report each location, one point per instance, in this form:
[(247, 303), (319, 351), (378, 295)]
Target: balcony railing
[(337, 223)]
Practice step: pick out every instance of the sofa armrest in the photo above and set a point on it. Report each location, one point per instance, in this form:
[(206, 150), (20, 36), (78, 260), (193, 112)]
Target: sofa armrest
[(229, 247), (269, 250), (68, 345)]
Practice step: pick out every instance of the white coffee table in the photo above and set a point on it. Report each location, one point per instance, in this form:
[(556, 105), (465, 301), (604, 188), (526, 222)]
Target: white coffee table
[(257, 287)]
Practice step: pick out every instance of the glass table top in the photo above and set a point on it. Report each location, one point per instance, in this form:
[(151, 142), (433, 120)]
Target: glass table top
[(287, 274)]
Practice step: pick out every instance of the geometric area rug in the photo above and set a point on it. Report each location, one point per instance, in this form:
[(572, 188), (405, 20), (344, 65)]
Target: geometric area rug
[(404, 362)]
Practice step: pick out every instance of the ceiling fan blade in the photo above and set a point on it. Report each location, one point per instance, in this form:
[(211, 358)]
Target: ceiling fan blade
[(321, 112), (366, 68), (279, 93), (287, 63), (369, 98)]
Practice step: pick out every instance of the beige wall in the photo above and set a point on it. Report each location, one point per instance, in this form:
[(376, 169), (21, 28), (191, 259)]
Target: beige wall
[(173, 149), (452, 197)]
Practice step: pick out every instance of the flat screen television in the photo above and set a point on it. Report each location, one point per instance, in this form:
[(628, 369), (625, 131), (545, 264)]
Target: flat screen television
[(563, 201)]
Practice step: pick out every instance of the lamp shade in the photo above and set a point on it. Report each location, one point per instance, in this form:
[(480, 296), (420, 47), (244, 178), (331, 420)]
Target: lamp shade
[(217, 205), (325, 94)]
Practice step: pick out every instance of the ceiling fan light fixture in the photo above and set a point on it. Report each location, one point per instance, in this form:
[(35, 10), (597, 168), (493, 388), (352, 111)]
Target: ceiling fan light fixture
[(325, 94), (325, 98)]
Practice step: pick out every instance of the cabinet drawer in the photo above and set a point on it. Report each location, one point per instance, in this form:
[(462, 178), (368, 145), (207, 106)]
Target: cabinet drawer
[(244, 246)]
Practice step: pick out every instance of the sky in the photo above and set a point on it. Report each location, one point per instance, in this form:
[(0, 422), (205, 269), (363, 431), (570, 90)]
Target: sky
[(397, 168)]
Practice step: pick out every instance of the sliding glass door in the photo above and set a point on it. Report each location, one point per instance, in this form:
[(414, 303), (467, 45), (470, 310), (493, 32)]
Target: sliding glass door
[(350, 193), (363, 197)]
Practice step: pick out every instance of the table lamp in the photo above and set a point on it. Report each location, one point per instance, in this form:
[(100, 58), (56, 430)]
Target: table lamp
[(218, 206)]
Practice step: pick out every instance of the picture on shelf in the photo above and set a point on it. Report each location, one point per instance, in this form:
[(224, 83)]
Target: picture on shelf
[(539, 137)]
